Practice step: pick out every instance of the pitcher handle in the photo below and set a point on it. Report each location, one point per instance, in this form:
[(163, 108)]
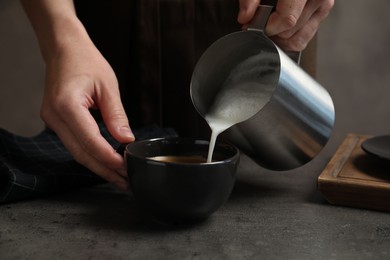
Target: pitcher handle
[(260, 18)]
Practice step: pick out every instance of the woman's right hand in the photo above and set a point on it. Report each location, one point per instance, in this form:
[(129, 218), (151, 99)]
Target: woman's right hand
[(293, 23)]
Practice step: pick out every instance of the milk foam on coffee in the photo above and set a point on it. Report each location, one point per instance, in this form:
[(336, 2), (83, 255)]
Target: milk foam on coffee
[(244, 93)]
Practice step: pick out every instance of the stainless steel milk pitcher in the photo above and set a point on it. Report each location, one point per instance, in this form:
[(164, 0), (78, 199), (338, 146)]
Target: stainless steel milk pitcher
[(297, 119)]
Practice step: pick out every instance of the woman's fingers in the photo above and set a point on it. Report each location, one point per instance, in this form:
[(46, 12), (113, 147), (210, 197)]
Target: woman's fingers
[(69, 116), (85, 150), (247, 10), (293, 23), (285, 17)]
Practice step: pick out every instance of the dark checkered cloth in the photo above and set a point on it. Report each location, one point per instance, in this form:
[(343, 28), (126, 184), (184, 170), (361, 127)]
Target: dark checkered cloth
[(40, 165)]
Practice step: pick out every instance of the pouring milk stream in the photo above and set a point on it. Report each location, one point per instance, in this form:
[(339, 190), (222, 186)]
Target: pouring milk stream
[(237, 101)]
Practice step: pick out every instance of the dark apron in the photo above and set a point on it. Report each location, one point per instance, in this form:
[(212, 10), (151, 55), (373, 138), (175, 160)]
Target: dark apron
[(153, 46)]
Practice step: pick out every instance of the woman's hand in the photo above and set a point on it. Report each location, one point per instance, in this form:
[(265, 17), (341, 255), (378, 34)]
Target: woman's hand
[(293, 23), (78, 79)]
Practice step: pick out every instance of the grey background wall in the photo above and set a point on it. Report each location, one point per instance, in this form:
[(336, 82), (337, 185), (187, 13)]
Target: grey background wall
[(353, 63)]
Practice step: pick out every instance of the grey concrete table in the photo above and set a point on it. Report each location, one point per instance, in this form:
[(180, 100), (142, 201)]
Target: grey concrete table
[(268, 216)]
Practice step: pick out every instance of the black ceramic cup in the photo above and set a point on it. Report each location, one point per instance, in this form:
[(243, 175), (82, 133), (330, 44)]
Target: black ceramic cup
[(182, 191)]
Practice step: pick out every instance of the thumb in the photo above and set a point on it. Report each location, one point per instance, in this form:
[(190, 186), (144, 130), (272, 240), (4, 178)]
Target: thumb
[(247, 10), (115, 118)]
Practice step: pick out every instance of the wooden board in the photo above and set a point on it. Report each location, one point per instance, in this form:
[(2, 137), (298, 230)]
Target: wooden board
[(354, 178)]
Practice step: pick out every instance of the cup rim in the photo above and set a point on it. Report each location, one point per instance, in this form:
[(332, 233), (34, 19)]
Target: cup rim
[(235, 156)]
